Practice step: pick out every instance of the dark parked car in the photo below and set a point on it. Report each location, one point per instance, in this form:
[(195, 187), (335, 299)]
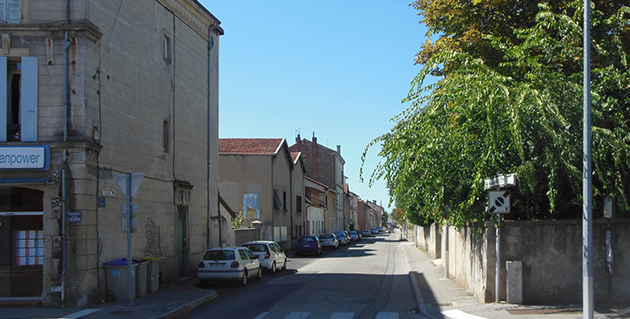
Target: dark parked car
[(308, 245)]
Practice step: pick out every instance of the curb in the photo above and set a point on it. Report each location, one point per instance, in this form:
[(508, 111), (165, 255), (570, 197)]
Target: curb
[(187, 307), (416, 288)]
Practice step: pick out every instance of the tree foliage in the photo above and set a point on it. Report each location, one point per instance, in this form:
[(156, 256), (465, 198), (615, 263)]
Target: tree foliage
[(509, 100)]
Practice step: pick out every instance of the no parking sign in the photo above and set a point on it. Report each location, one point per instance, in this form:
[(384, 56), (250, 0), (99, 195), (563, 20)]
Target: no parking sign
[(499, 202)]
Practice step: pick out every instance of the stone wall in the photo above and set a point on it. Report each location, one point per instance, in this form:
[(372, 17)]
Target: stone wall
[(551, 255)]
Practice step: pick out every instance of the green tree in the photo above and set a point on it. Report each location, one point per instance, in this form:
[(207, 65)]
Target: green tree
[(511, 104)]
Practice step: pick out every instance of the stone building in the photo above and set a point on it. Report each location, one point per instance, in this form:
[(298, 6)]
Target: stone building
[(92, 90), (261, 178)]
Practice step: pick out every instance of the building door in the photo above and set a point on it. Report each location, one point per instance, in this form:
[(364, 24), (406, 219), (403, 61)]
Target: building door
[(182, 234), (21, 242)]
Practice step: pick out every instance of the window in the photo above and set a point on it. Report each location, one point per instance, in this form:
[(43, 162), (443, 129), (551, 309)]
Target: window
[(276, 200), (166, 48), (243, 254), (11, 11), (298, 204), (29, 247), (284, 200), (18, 99)]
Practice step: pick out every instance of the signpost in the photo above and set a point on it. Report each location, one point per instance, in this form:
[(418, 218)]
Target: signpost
[(128, 185), (499, 204)]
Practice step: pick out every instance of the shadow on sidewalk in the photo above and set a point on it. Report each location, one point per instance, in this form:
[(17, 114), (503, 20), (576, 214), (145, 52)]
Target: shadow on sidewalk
[(427, 296)]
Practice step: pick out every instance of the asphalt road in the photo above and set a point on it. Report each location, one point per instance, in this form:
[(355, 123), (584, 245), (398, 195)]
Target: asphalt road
[(367, 279)]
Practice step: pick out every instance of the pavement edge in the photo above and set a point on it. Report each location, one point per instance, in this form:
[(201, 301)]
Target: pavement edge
[(416, 287), (187, 307)]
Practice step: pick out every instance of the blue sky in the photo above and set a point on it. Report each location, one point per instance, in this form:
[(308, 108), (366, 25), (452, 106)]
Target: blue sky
[(336, 68)]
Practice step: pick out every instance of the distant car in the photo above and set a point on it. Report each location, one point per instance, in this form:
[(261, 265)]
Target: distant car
[(366, 233), (270, 254), (343, 238), (308, 245), (354, 235), (375, 230), (329, 240), (228, 263)]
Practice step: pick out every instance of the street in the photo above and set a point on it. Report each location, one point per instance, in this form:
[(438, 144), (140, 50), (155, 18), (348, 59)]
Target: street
[(367, 279)]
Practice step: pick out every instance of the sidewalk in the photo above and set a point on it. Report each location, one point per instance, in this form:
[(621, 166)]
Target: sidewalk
[(440, 298), (167, 302)]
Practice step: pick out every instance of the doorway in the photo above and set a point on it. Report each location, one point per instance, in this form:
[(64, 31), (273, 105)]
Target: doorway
[(182, 238), (21, 242)]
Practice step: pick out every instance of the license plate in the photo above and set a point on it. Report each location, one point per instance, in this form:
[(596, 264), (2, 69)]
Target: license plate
[(307, 246), (215, 265)]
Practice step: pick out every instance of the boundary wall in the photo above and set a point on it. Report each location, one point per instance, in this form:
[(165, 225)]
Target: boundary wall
[(550, 252)]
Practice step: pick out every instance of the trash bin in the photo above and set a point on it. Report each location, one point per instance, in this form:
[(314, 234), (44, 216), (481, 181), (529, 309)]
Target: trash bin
[(117, 279), (141, 277), (153, 274)]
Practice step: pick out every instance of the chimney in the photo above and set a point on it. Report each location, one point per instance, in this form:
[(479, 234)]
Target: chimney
[(314, 157), (298, 141), (339, 149)]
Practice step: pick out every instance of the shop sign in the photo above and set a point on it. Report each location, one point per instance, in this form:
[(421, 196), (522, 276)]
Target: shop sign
[(24, 157)]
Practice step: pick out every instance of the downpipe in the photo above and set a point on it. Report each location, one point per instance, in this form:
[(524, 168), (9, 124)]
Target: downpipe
[(64, 261)]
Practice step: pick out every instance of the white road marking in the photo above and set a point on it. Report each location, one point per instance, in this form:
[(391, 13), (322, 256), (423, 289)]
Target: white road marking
[(342, 315), (80, 314), (458, 314), (297, 315)]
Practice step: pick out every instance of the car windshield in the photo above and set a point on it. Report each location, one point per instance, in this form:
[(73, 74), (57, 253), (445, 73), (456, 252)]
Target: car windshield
[(341, 235), (307, 239), (326, 236), (256, 247), (219, 255)]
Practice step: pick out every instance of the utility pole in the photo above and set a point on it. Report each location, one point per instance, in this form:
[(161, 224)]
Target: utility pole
[(587, 200)]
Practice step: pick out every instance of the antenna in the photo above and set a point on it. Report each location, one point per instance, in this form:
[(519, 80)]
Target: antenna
[(298, 130)]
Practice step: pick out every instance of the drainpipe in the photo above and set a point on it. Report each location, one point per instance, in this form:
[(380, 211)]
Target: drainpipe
[(273, 201), (64, 262), (291, 206), (210, 45)]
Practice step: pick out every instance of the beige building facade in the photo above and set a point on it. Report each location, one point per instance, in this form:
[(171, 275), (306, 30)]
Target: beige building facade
[(98, 89), (259, 178)]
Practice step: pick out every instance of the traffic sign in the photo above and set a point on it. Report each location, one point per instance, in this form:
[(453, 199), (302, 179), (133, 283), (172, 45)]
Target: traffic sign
[(125, 224), (500, 181), (136, 179), (499, 202), (125, 210)]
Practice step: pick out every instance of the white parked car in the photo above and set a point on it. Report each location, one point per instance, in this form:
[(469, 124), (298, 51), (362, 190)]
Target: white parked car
[(229, 263), (269, 253)]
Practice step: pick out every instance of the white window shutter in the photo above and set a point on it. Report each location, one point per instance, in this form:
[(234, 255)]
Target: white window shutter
[(3, 99), (28, 100)]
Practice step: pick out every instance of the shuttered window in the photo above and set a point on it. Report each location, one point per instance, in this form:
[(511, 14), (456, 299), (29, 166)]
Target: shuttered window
[(11, 11), (18, 99)]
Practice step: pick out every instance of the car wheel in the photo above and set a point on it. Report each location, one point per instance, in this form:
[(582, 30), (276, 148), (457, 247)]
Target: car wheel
[(244, 278), (298, 253), (259, 275), (284, 266), (203, 283), (273, 268)]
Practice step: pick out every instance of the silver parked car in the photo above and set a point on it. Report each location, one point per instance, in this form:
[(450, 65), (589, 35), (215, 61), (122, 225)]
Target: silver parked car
[(329, 240), (270, 254), (229, 263), (343, 238)]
